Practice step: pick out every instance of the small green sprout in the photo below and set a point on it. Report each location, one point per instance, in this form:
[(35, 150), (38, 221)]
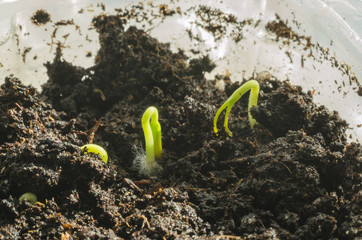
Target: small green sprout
[(94, 148), (251, 85), (152, 131), (28, 197)]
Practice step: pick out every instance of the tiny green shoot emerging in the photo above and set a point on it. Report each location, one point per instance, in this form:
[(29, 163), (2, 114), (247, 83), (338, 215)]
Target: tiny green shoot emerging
[(28, 197), (251, 85), (94, 148), (152, 131)]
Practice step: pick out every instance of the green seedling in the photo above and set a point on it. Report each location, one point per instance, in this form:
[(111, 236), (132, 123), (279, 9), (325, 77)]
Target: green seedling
[(28, 197), (251, 85), (152, 131), (96, 149)]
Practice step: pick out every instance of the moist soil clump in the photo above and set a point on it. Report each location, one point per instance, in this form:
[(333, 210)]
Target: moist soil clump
[(293, 177), (40, 17)]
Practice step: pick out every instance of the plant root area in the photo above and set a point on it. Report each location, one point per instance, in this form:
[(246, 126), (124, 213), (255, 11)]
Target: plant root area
[(294, 176)]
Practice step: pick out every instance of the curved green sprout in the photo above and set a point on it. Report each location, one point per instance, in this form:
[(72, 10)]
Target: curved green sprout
[(146, 163), (152, 131), (28, 197), (94, 148), (253, 100)]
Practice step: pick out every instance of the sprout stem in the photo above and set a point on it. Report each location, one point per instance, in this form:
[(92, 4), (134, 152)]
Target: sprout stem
[(251, 85), (152, 131), (94, 148), (28, 197)]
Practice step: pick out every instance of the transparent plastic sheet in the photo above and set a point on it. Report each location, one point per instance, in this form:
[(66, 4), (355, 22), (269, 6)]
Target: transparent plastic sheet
[(25, 47)]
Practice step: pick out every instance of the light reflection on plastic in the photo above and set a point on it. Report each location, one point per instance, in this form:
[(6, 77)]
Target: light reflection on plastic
[(217, 49), (8, 1)]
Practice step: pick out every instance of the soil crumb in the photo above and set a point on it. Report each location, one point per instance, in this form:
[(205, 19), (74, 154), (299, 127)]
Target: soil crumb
[(40, 17)]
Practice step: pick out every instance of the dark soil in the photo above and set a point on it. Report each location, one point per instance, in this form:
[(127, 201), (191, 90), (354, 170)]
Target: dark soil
[(40, 17), (293, 177)]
